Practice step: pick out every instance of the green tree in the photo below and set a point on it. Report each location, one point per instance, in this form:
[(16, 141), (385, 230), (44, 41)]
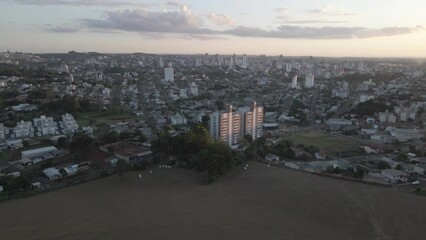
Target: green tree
[(82, 143), (205, 121), (383, 165), (121, 167), (62, 142), (110, 137), (125, 135), (220, 105), (402, 157)]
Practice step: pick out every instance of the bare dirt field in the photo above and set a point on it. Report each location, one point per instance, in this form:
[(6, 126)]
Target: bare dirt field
[(260, 203)]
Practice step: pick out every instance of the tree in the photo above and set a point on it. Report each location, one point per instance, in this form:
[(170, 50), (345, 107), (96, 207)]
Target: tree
[(82, 143), (402, 157), (14, 184), (220, 104), (383, 165), (25, 143), (205, 121), (62, 142), (125, 135), (121, 167), (110, 137)]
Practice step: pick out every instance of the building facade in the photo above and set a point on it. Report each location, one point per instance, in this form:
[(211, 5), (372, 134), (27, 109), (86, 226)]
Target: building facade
[(231, 126), (169, 74)]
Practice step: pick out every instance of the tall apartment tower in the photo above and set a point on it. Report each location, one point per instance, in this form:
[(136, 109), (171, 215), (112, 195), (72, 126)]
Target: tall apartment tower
[(294, 81), (231, 127), (244, 63), (169, 74), (309, 80), (226, 126), (253, 121), (193, 89)]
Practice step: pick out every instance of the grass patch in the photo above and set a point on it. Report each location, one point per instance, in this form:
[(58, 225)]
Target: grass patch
[(331, 145)]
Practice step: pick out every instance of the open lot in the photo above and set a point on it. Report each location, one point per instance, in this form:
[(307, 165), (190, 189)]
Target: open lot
[(84, 118), (260, 203), (332, 145)]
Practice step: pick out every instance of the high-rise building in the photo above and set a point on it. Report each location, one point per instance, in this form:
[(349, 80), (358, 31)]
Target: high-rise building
[(231, 63), (294, 82), (169, 73), (193, 89), (288, 67), (244, 63), (160, 62), (198, 62), (309, 80), (226, 126), (231, 127), (2, 132), (253, 121)]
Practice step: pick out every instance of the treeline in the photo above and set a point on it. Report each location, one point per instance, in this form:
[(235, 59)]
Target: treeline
[(10, 70), (13, 184), (368, 108), (197, 150), (69, 104)]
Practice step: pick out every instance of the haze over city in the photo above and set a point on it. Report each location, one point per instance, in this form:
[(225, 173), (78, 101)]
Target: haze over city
[(333, 28)]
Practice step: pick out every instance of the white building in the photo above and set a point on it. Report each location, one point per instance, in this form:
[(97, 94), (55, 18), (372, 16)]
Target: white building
[(23, 129), (403, 134), (45, 125), (288, 67), (161, 62), (193, 89), (183, 93), (198, 62), (2, 132), (69, 124), (52, 174), (365, 97), (178, 119), (231, 126), (294, 81), (244, 63), (169, 74), (339, 122), (226, 126), (106, 92), (252, 123), (309, 80), (387, 117), (393, 175), (38, 152), (405, 113)]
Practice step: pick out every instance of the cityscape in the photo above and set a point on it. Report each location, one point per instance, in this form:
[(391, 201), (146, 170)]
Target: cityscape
[(170, 141)]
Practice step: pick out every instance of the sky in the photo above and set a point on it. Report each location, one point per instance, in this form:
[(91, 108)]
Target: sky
[(344, 28)]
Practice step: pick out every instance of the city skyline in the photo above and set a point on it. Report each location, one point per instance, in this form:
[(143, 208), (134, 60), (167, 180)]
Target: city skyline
[(321, 28)]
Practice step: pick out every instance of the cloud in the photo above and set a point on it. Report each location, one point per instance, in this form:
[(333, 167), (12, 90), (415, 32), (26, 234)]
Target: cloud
[(328, 10), (309, 21), (173, 4), (79, 3), (59, 29), (287, 31), (220, 19), (282, 10), (180, 20), (140, 20)]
